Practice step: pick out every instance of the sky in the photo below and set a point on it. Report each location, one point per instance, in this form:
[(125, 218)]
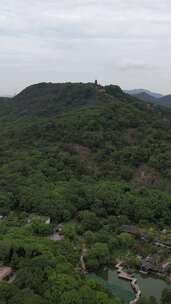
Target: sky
[(123, 42)]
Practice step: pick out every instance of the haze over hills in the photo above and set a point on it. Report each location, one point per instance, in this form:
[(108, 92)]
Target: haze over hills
[(146, 97), (149, 96), (140, 91), (165, 101)]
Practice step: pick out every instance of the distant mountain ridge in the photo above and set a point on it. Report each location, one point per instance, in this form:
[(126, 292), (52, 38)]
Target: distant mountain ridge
[(142, 91), (149, 96), (146, 97), (165, 101)]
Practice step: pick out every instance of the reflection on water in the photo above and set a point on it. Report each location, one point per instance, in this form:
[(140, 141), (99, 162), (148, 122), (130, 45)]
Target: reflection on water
[(116, 289), (149, 286)]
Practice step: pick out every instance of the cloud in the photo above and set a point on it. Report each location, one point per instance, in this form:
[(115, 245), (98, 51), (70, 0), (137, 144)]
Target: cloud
[(78, 40), (137, 66)]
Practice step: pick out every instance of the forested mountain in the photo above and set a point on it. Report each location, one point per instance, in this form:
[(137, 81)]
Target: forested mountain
[(48, 99), (91, 157), (2, 99), (58, 132)]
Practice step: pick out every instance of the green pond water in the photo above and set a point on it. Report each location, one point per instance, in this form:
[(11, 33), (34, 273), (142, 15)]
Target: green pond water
[(122, 289)]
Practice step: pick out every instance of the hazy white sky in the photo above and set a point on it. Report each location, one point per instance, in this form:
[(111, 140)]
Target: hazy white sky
[(125, 42)]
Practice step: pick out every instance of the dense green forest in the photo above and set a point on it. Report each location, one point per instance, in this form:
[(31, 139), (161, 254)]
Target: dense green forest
[(88, 156)]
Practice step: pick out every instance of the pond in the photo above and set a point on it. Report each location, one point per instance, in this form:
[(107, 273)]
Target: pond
[(121, 288)]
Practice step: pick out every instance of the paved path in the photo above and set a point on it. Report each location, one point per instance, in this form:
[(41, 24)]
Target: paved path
[(126, 276), (56, 237), (82, 262)]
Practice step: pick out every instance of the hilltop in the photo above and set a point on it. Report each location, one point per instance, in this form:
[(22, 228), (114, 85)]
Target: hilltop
[(49, 99), (64, 131)]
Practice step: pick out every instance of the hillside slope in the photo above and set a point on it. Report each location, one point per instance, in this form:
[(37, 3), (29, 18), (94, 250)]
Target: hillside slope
[(48, 99), (78, 164), (165, 101), (54, 133), (146, 97)]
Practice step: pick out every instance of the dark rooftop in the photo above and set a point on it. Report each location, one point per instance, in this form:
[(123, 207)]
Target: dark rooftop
[(130, 229)]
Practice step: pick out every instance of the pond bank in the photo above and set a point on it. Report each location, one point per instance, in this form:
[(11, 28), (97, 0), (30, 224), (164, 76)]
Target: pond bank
[(149, 286), (124, 275)]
